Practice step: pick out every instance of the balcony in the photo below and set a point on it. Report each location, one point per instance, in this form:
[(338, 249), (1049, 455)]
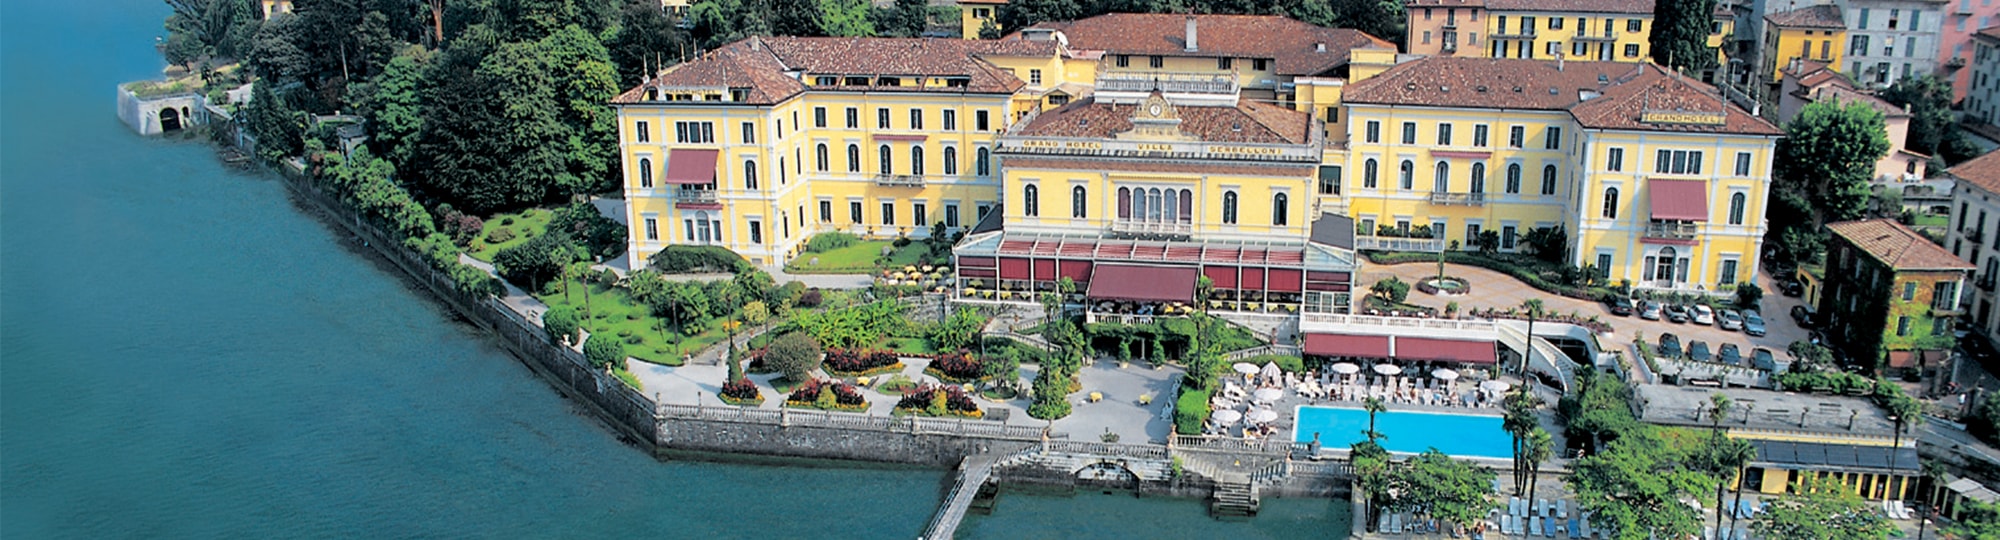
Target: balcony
[(1676, 231), (704, 196), (1985, 283), (1608, 35), (1453, 199), (1504, 34), (1158, 228), (1954, 63), (1390, 243), (899, 180), (1169, 82), (1973, 234)]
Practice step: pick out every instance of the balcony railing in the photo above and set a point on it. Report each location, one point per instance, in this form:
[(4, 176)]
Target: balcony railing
[(1503, 34), (1607, 35), (1152, 227), (1467, 199), (695, 196), (1954, 63), (1390, 243), (1189, 83), (1673, 231), (910, 180)]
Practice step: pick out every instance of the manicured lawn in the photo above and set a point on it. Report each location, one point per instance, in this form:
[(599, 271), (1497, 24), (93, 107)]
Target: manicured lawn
[(908, 345), (1932, 220), (614, 312), (859, 258), (522, 225)]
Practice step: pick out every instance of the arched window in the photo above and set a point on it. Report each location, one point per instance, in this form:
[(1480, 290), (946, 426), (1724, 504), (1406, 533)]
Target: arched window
[(853, 158), (1664, 268), (1278, 207), (950, 160), (1611, 203), (1443, 182), (701, 227), (1479, 178), (1369, 171), (1153, 204), (749, 175), (982, 164), (1124, 203), (1076, 202), (1513, 178), (645, 173), (1187, 206), (917, 160), (888, 163), (1139, 204), (1170, 208), (1736, 202), (819, 155), (1229, 206), (1407, 177), (1548, 179), (1031, 207)]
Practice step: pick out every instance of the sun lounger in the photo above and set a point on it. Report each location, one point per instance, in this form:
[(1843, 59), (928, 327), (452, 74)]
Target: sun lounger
[(1396, 522), (1507, 524), (1574, 527), (1583, 522), (1549, 528), (1562, 509)]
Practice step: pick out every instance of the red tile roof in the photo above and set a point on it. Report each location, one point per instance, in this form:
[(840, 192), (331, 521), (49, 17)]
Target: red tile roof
[(1600, 95), (1294, 45), (1840, 95), (1247, 122), (1584, 6), (1896, 246), (1982, 171), (1824, 16), (761, 65), (1989, 32)]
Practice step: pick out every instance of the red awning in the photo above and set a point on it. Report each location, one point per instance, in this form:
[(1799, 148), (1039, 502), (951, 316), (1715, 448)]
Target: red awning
[(1012, 268), (1077, 271), (1253, 279), (1220, 277), (1347, 345), (1142, 283), (1679, 200), (1445, 350), (691, 166), (1284, 280), (1045, 269), (982, 262)]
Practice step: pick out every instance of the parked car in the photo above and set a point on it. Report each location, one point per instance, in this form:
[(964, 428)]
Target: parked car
[(1729, 354), (1804, 315), (1620, 306), (1753, 323), (1677, 313), (1702, 314), (1762, 359), (1670, 346), (1698, 351), (1791, 287), (1728, 319), (1649, 310)]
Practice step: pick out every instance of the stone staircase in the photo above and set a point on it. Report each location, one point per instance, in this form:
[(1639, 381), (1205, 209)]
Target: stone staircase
[(1235, 496)]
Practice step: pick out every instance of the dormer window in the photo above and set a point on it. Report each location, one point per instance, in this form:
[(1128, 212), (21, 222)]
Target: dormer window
[(855, 81), (957, 82), (888, 81), (739, 94), (825, 81)]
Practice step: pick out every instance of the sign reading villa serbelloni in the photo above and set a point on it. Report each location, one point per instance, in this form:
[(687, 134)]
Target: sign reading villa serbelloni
[(1248, 150)]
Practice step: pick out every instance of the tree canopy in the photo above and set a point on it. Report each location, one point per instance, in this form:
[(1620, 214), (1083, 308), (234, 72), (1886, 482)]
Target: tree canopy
[(796, 355), (1821, 510), (1635, 487), (1680, 34)]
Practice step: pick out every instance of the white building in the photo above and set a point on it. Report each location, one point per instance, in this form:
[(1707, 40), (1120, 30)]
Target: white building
[(1974, 235), (1888, 40), (1982, 94)]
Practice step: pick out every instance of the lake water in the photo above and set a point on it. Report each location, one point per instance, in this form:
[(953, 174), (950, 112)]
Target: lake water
[(183, 354)]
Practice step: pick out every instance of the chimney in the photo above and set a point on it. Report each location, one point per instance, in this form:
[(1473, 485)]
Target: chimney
[(1559, 61), (1192, 45), (1319, 47)]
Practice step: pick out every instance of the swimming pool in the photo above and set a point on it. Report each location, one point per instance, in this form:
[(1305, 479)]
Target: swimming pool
[(1459, 435)]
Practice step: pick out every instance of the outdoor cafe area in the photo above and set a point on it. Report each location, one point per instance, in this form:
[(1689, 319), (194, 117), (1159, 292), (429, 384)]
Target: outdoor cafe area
[(1254, 400)]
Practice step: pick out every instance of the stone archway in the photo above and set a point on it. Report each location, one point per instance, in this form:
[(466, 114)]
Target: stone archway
[(170, 119), (1107, 475)]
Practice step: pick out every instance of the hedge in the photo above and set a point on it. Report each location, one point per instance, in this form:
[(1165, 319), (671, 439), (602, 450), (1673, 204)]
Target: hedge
[(698, 259), (1524, 270), (1190, 411)]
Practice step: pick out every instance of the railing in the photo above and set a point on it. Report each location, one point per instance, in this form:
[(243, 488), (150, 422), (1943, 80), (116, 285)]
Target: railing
[(1144, 227), (1285, 350), (1095, 317), (1673, 231), (695, 196), (1606, 35), (1467, 199), (1322, 468), (1272, 473), (1387, 243), (1232, 444), (1330, 204), (1139, 451), (907, 180), (830, 419), (1973, 235), (1400, 322), (1187, 83), (1504, 34)]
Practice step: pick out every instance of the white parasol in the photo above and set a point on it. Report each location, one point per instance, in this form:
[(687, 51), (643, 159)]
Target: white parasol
[(1263, 415), (1271, 370), (1387, 369), (1444, 374), (1267, 394), (1495, 386), (1226, 416), (1345, 368), (1245, 368)]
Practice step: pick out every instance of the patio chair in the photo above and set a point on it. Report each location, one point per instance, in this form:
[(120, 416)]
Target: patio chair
[(1562, 509)]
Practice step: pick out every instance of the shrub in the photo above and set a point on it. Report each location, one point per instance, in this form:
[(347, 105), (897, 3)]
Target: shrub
[(529, 264), (698, 259), (1190, 411), (604, 352), (1392, 289), (807, 392), (1051, 397), (900, 241), (741, 389), (958, 367), (810, 299), (847, 394), (938, 400), (853, 362), (602, 236), (1748, 294), (560, 322), (796, 355), (829, 241)]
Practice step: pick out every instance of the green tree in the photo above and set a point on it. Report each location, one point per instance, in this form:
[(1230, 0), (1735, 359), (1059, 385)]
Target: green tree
[(1051, 395), (205, 27), (1453, 490), (756, 314), (646, 41), (1680, 34), (1379, 18), (1538, 447), (957, 331), (1828, 155), (393, 106), (757, 285), (1635, 487), (1373, 405), (1534, 309), (561, 324), (1821, 510), (1975, 520), (1372, 475), (797, 18), (795, 355), (1600, 406), (604, 351), (1020, 14), (1929, 100), (904, 18), (280, 129), (1519, 421), (847, 18)]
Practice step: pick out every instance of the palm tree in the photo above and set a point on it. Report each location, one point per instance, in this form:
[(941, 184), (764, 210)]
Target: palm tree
[(1519, 420), (1933, 473), (1373, 405), (1736, 454), (1535, 310), (1540, 447), (1723, 451)]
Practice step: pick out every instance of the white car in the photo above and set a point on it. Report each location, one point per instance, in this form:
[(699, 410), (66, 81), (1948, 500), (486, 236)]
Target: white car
[(1702, 314)]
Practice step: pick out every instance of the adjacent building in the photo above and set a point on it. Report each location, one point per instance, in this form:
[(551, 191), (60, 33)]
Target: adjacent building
[(1844, 439), (1816, 33), (1889, 40), (1963, 19), (1981, 99), (1900, 169), (1898, 297), (1976, 211), (975, 15), (1601, 30)]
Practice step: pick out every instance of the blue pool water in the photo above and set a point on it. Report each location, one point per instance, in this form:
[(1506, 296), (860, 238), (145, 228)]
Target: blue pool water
[(1459, 435)]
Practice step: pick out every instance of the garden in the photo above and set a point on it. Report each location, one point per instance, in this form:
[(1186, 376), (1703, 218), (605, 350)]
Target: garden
[(843, 253), (507, 230)]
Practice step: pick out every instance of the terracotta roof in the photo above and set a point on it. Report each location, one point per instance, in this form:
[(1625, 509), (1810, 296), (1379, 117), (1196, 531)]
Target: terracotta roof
[(1826, 16), (1247, 122), (1722, 11), (1896, 245), (1982, 171), (1294, 45), (1849, 95), (761, 64), (1810, 73), (1600, 95), (1585, 6), (1992, 32)]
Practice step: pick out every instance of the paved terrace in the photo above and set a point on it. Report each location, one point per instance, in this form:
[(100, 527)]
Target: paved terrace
[(1818, 416)]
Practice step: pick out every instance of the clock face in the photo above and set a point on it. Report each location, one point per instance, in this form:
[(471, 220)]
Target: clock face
[(1154, 109)]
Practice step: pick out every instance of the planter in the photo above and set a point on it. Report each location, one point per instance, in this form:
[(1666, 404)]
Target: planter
[(1445, 286)]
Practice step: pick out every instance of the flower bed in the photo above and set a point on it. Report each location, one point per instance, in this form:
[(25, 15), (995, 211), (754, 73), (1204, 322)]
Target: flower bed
[(741, 392), (956, 367), (859, 363), (827, 395), (1452, 286), (754, 362), (1592, 322), (939, 400)]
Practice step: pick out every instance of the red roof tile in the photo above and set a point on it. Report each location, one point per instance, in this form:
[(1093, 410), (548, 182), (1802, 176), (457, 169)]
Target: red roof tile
[(1825, 16), (1982, 171), (1294, 45), (1896, 246), (1600, 95), (762, 65)]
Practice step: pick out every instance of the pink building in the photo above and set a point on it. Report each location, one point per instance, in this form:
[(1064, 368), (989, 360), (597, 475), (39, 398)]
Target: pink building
[(1962, 19)]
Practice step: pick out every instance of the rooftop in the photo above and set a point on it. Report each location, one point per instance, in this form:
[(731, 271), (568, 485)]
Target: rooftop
[(1823, 16), (770, 70), (1297, 47), (1982, 171), (1246, 122), (1765, 410), (1573, 6), (1896, 246), (1600, 95), (1990, 32)]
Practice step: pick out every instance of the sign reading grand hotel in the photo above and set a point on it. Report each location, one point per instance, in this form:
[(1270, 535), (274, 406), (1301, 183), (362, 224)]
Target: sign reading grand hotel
[(1684, 117), (1082, 145)]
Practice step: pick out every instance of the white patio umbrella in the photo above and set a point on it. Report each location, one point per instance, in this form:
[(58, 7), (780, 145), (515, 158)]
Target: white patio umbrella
[(1226, 416), (1495, 386), (1346, 368), (1444, 374), (1271, 370), (1245, 368), (1263, 415), (1388, 369), (1267, 394)]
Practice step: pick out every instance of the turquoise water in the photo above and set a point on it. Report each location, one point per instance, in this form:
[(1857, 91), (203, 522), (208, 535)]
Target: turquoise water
[(184, 354), (1461, 435)]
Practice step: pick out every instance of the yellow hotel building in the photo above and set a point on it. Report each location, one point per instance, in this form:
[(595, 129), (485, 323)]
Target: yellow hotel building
[(1603, 30), (1264, 124)]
